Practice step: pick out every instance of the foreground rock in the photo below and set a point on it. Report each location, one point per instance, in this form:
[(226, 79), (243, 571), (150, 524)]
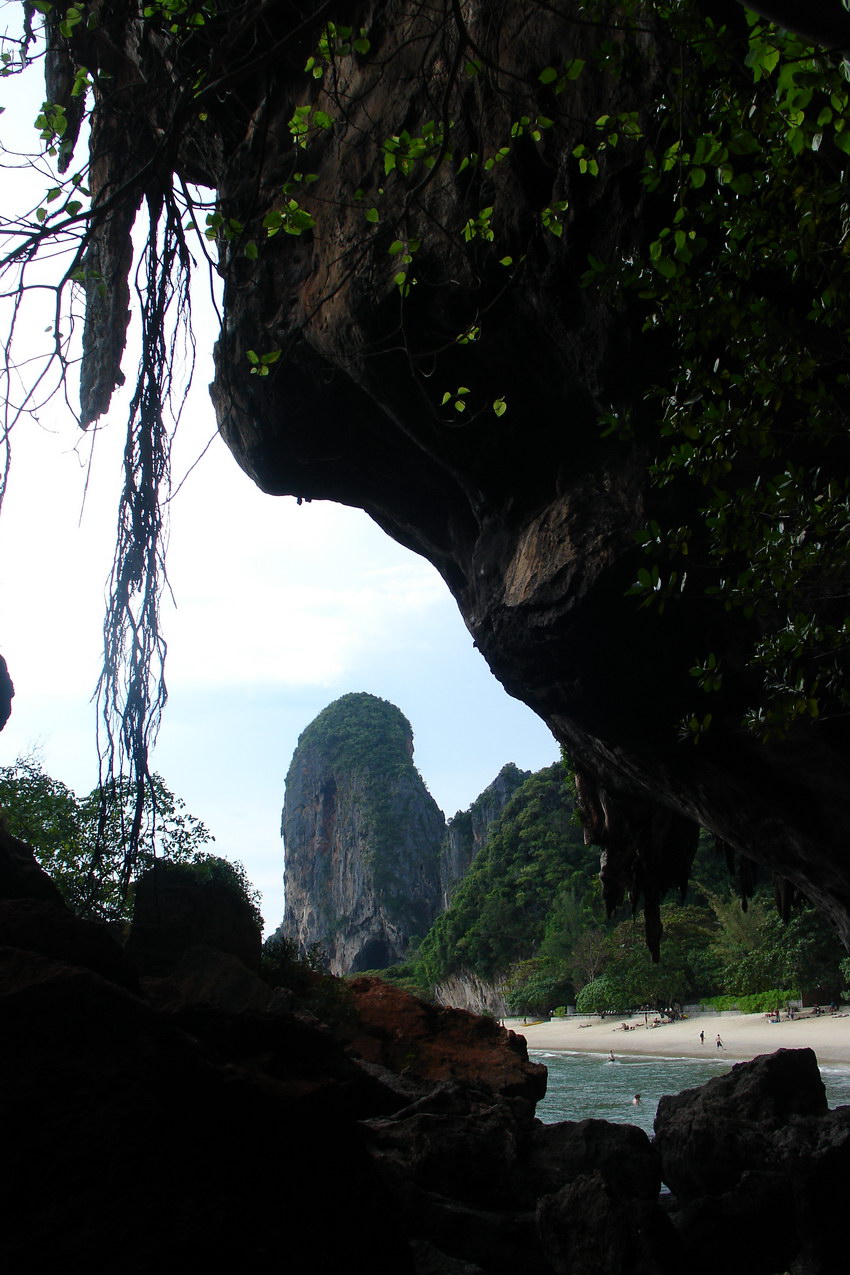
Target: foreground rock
[(757, 1154), (212, 1121)]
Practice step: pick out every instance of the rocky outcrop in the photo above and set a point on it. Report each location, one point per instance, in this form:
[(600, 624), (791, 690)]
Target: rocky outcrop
[(758, 1153), (416, 1150), (175, 908), (467, 990), (7, 693), (361, 838), (435, 1045), (467, 831), (368, 291)]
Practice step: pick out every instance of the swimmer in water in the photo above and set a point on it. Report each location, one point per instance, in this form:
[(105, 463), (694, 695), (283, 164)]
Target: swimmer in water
[(636, 1100)]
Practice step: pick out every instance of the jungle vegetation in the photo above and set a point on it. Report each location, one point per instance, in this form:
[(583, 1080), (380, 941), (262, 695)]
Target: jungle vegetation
[(529, 918), (87, 860)]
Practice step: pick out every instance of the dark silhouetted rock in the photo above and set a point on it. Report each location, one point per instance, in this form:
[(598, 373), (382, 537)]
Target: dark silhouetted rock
[(7, 693), (589, 1229), (707, 1137), (54, 931), (174, 910), (129, 1146), (759, 1144), (560, 1153), (21, 877), (756, 1213)]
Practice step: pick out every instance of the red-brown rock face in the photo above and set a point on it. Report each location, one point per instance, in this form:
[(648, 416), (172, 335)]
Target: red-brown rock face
[(436, 1045)]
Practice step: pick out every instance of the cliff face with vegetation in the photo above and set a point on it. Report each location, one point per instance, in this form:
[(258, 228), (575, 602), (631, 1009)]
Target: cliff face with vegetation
[(361, 837), (467, 832), (532, 859), (519, 281)]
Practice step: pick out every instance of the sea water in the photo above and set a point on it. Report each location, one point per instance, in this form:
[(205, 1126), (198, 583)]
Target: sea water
[(583, 1085)]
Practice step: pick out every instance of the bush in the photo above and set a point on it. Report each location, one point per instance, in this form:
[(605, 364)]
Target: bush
[(603, 996), (305, 975), (755, 1003)]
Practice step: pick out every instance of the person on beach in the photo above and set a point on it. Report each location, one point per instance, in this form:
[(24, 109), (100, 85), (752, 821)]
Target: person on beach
[(702, 1038), (719, 1042), (611, 1057)]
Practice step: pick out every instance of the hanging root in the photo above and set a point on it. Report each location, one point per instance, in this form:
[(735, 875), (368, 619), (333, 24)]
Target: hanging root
[(131, 691)]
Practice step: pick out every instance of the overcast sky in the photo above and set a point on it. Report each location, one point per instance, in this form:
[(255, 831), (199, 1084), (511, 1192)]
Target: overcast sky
[(280, 609)]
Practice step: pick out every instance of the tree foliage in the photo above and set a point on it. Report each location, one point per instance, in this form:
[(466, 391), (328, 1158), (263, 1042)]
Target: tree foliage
[(498, 915), (86, 858), (529, 916)]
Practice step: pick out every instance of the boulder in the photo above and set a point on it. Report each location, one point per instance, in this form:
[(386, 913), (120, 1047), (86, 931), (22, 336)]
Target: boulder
[(758, 1146), (708, 1137), (21, 876), (437, 1044), (131, 1146), (558, 1154), (587, 1228), (38, 925), (172, 911)]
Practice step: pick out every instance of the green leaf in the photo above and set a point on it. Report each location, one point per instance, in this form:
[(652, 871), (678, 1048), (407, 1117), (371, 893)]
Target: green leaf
[(548, 75), (372, 215)]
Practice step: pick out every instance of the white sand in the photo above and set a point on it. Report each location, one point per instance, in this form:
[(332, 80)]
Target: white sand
[(743, 1036)]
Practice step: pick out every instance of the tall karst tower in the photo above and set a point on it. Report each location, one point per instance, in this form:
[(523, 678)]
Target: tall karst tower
[(362, 837)]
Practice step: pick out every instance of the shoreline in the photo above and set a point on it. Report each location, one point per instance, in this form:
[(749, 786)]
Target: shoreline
[(744, 1036)]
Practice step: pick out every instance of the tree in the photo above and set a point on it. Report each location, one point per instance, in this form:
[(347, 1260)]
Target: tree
[(85, 858), (604, 996), (803, 953), (685, 969), (590, 955), (536, 987)]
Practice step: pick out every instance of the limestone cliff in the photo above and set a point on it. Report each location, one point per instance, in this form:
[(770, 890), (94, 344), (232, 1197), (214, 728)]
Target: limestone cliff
[(467, 831), (361, 837)]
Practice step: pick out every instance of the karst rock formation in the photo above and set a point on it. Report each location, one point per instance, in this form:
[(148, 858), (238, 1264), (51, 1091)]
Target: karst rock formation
[(362, 838), (369, 860), (531, 514)]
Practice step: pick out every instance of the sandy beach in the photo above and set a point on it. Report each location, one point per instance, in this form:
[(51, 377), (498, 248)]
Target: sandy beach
[(743, 1036)]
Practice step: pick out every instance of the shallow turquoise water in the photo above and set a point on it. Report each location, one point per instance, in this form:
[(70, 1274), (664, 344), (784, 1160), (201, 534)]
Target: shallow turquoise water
[(583, 1085)]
